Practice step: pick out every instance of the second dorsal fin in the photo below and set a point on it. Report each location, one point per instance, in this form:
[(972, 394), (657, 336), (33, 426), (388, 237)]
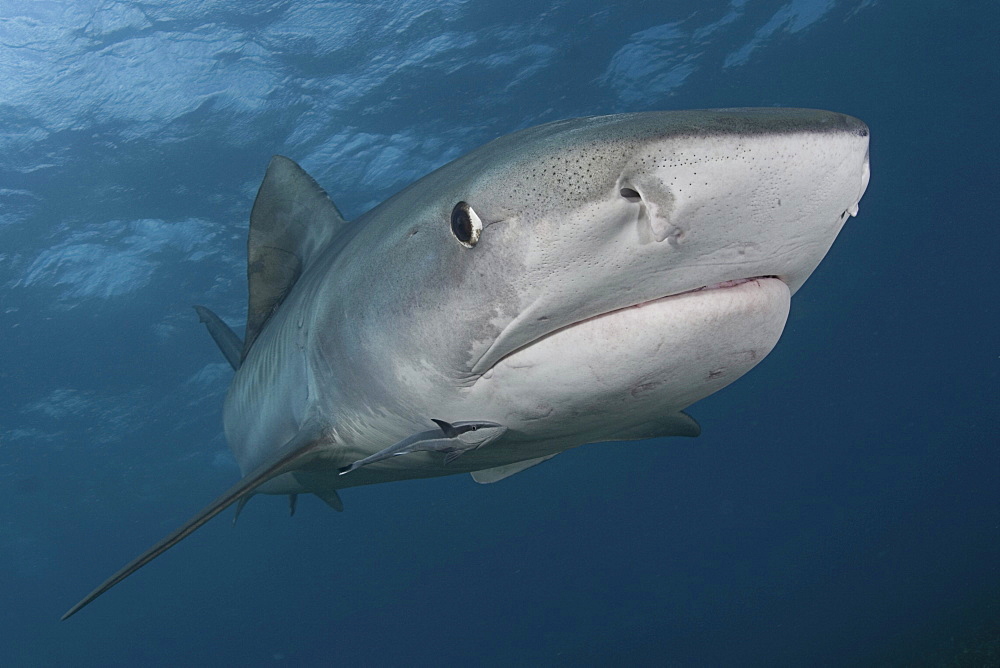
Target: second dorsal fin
[(292, 220)]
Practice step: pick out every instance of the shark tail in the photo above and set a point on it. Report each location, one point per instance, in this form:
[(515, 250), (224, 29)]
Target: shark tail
[(299, 451)]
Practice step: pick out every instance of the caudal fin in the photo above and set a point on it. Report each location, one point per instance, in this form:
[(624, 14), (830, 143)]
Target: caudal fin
[(294, 454)]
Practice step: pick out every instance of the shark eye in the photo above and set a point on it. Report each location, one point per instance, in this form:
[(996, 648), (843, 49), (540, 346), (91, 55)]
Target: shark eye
[(466, 224)]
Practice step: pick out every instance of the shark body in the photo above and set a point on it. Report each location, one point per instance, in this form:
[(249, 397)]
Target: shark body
[(577, 282)]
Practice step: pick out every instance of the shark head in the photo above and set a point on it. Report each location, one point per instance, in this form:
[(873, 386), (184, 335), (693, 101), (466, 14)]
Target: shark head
[(585, 280)]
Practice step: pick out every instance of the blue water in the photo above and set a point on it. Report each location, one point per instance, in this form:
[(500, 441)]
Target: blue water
[(842, 506)]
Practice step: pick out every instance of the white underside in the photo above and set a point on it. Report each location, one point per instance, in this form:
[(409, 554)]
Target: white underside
[(607, 374)]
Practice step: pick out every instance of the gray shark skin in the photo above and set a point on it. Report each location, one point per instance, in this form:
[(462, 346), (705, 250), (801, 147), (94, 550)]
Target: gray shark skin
[(576, 282)]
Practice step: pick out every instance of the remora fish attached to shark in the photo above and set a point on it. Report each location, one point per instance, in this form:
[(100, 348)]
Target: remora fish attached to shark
[(576, 282), (452, 440)]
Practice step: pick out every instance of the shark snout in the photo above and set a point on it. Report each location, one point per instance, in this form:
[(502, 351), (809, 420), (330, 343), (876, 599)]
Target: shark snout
[(866, 174)]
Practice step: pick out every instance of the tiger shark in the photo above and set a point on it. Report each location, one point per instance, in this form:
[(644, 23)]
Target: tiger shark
[(577, 282)]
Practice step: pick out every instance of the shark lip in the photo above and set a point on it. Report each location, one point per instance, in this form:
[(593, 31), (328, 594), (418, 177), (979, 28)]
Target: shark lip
[(722, 285), (719, 286)]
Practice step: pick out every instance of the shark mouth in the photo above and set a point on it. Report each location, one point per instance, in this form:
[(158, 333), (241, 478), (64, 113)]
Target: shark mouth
[(723, 285), (714, 286)]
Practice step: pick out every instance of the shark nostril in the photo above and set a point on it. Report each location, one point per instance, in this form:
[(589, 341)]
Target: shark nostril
[(631, 195)]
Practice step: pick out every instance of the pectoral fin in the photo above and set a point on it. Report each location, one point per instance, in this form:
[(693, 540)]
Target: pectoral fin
[(227, 340), (495, 474), (297, 452), (673, 424)]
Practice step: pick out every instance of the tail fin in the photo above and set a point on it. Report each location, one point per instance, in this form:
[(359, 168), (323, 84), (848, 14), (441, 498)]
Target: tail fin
[(297, 452)]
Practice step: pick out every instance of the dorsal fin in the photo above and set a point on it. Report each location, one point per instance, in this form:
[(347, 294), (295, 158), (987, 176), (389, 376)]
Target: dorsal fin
[(291, 221)]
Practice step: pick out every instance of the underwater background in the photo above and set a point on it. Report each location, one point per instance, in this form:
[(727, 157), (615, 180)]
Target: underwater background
[(842, 506)]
